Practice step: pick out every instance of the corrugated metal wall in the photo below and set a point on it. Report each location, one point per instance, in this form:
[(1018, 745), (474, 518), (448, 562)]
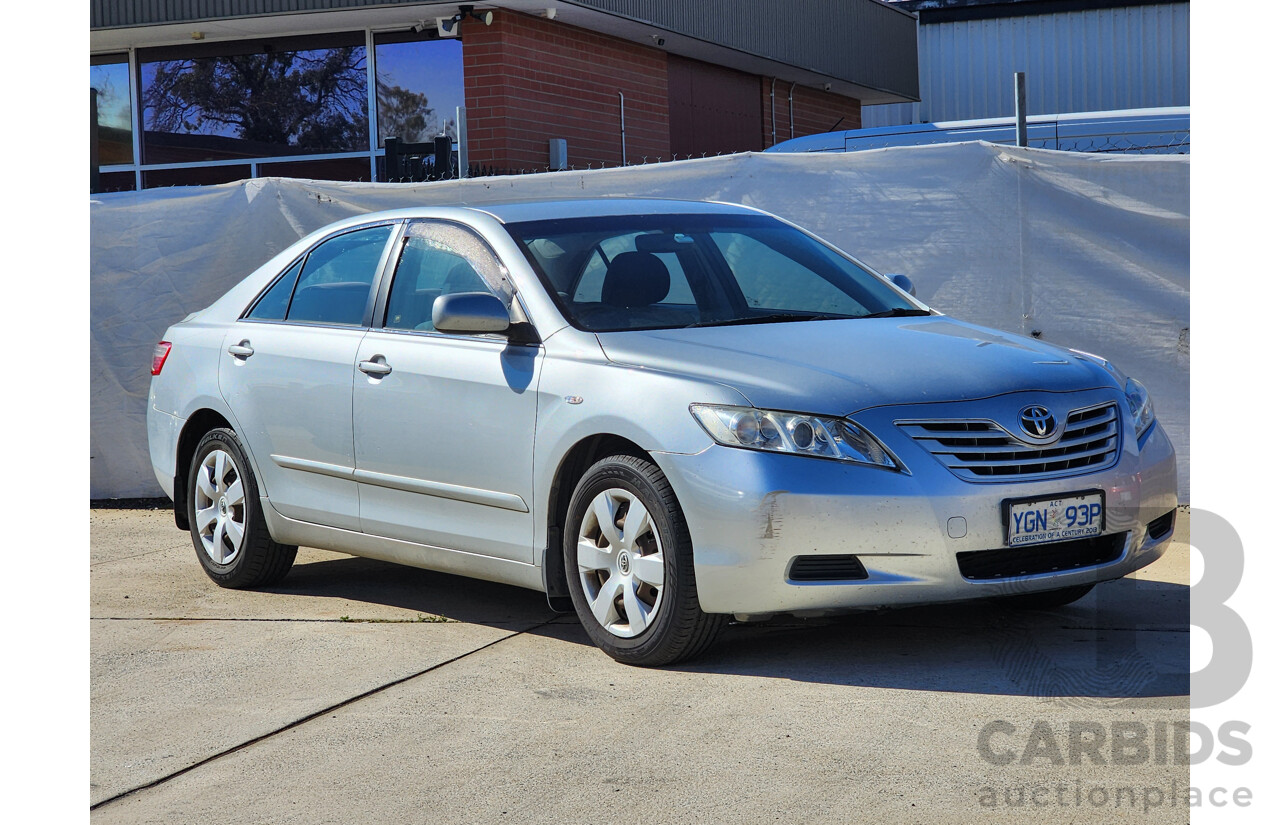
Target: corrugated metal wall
[(1082, 61), (816, 35)]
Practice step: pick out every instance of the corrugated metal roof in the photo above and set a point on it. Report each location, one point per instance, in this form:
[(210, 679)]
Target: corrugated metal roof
[(106, 14), (863, 42)]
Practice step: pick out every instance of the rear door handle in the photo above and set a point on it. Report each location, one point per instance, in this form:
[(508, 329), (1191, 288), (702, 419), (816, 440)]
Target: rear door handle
[(241, 350), (375, 366)]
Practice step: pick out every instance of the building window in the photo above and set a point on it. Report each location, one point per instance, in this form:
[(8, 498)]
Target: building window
[(419, 84), (289, 107), (255, 100), (111, 117)]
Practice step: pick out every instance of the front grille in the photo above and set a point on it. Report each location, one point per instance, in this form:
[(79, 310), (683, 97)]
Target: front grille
[(1008, 562), (984, 451), (826, 568)]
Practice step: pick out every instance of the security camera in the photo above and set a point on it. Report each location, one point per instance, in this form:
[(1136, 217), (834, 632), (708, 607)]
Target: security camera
[(661, 41), (826, 87), (448, 26), (485, 17)]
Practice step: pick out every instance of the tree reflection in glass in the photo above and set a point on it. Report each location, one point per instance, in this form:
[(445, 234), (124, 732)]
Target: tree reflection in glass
[(419, 89), (260, 104)]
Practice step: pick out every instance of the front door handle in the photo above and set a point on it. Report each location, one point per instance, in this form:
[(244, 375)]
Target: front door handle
[(375, 366), (241, 350)]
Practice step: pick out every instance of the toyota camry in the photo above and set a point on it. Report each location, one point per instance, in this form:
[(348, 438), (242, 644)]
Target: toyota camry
[(662, 414)]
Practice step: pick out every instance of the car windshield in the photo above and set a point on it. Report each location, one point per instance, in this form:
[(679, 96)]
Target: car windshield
[(671, 271)]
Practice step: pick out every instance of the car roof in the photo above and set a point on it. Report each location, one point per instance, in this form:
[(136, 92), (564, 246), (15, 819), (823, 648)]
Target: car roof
[(548, 209), (542, 210)]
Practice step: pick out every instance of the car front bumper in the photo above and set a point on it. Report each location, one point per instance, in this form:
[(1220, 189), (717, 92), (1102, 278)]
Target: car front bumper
[(751, 514)]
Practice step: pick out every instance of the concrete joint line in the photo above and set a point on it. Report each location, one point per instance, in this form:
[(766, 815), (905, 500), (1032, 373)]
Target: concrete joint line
[(316, 714), (287, 620)]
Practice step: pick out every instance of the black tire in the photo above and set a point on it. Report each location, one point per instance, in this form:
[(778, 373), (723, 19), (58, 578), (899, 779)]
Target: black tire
[(1047, 599), (259, 560), (678, 630)]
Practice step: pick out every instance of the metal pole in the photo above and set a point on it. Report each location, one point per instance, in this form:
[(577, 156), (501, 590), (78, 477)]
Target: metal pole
[(791, 109), (1020, 106), (460, 126), (622, 119), (773, 115)]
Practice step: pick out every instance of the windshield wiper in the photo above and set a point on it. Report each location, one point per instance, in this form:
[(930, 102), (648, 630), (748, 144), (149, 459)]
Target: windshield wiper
[(898, 312), (775, 318)]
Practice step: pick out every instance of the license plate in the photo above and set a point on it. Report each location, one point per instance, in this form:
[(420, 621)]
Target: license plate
[(1057, 518)]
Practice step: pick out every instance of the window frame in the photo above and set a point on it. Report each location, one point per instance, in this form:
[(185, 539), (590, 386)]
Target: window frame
[(519, 314), (380, 275)]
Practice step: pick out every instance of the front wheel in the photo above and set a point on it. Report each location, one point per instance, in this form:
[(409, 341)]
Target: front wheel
[(227, 527), (629, 561)]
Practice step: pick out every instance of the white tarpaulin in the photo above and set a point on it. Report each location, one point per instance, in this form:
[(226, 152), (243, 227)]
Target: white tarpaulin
[(1087, 251)]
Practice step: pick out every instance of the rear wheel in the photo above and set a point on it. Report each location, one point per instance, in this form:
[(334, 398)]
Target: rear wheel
[(629, 562), (1047, 599), (227, 527)]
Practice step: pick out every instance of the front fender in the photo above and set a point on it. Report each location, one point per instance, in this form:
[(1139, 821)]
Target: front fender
[(582, 395)]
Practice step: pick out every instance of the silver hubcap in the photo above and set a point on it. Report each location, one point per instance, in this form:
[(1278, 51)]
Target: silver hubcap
[(220, 508), (620, 563)]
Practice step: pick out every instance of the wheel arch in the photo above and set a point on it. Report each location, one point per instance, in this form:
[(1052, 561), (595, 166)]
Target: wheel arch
[(198, 424), (573, 465)]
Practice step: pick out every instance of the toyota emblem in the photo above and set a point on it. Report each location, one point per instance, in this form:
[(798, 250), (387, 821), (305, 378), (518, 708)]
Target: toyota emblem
[(1037, 421)]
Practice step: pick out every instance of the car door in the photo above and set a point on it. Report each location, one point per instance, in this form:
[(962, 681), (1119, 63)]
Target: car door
[(444, 423), (287, 371)]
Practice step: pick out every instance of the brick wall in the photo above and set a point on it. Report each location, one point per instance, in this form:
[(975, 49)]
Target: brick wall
[(528, 79), (713, 109), (815, 111)]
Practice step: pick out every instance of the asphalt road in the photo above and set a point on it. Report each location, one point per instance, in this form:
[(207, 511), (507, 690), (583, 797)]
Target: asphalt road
[(359, 691)]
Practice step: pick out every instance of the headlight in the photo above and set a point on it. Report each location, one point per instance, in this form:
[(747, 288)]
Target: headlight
[(795, 433), (1140, 406), (1144, 412)]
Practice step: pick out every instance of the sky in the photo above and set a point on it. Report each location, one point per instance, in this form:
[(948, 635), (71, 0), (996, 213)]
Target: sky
[(431, 66), (112, 82)]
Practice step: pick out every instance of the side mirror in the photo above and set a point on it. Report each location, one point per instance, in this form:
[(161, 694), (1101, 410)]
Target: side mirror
[(470, 313), (903, 283)]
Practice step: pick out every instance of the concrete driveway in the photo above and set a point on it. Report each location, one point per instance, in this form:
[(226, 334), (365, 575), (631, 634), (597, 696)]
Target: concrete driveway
[(359, 691)]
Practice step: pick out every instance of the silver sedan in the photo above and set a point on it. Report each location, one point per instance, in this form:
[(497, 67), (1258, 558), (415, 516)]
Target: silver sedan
[(660, 413)]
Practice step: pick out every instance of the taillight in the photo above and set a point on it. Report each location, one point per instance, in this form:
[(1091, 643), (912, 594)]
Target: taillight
[(158, 356)]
